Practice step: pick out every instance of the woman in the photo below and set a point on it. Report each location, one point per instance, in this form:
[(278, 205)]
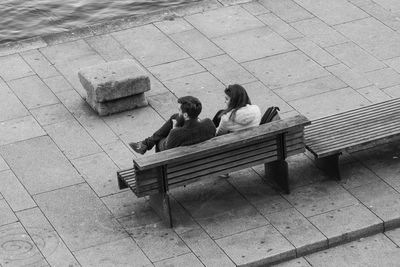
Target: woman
[(239, 112)]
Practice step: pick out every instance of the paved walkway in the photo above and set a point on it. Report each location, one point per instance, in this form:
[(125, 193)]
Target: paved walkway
[(59, 201)]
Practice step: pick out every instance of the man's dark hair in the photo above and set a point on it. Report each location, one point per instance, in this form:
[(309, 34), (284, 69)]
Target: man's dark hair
[(190, 105)]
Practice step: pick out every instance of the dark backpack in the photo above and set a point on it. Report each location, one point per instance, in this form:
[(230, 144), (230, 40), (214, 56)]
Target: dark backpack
[(269, 114)]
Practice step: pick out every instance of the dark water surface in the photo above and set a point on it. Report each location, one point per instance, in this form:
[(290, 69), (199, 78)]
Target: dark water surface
[(21, 19)]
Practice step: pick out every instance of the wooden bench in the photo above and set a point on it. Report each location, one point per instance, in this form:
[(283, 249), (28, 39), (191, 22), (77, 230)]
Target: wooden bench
[(268, 144), (327, 138)]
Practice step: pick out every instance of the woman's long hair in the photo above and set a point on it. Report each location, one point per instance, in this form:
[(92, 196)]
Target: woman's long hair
[(238, 99)]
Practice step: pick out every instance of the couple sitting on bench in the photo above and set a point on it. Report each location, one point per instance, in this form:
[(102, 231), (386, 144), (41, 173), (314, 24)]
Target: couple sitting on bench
[(185, 128)]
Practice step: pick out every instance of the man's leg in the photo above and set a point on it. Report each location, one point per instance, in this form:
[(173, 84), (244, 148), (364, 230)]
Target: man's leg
[(148, 143)]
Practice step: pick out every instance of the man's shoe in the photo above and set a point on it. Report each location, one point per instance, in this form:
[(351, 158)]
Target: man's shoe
[(139, 147)]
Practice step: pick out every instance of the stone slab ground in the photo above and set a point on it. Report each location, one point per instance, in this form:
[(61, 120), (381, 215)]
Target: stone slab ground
[(59, 201)]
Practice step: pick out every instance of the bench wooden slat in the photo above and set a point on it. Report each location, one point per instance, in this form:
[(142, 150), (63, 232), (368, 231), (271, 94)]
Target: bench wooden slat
[(356, 136), (356, 112), (355, 130), (340, 146), (216, 144), (346, 125)]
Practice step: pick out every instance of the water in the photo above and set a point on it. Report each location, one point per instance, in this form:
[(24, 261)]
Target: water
[(21, 19)]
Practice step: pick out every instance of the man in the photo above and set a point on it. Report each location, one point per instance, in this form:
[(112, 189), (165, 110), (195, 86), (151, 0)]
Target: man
[(182, 129)]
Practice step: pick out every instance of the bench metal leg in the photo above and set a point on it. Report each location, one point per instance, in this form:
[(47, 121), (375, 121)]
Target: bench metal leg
[(330, 165), (121, 184), (160, 204), (279, 172)]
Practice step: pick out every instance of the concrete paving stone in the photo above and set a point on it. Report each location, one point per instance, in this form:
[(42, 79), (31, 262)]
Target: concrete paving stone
[(261, 195), (232, 2), (384, 161), (204, 86), (374, 94), (58, 84), (394, 235), (21, 46), (361, 3), (314, 51), (298, 262), (92, 123), (390, 5), (279, 70), (108, 47), (122, 204), (382, 200), (318, 32), (19, 129), (120, 154), (80, 55), (176, 69), (156, 240), (122, 252), (384, 77), (264, 98), (76, 50), (14, 192), (123, 124), (3, 164), (70, 70), (7, 216), (223, 21), (72, 139), (310, 88), (319, 198), (287, 10), (41, 66), (174, 25), (17, 247), (355, 174), (208, 252), (180, 261), (355, 57), (33, 92), (289, 114), (80, 226), (14, 67), (10, 106), (393, 91), (51, 114), (99, 172), (149, 45), (375, 250), (346, 224), (260, 246), (280, 26), (196, 44), (303, 235), (372, 35), (388, 17), (228, 71), (164, 104), (354, 79), (40, 165), (329, 103), (336, 12), (255, 8), (394, 63), (46, 238), (253, 44), (215, 204)]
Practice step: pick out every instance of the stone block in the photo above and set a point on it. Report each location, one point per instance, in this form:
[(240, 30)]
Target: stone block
[(113, 80), (118, 105)]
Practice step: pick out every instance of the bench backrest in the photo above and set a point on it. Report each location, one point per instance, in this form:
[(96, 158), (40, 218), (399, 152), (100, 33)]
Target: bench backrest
[(219, 155)]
